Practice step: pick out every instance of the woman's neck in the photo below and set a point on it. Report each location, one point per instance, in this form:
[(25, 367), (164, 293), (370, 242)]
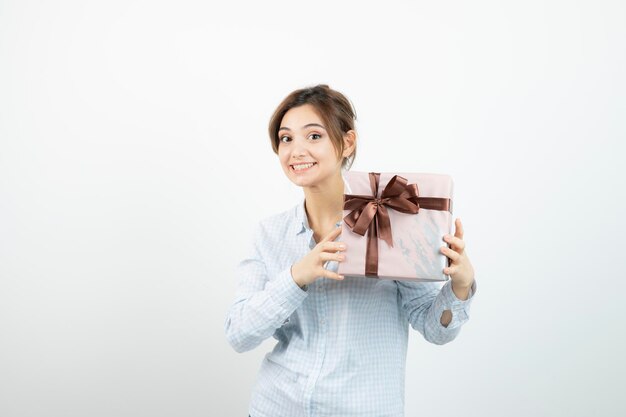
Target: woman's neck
[(324, 207)]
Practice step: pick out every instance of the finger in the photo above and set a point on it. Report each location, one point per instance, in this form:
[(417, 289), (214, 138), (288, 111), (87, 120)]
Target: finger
[(454, 256), (450, 270), (332, 275), (325, 256), (458, 228), (332, 246), (332, 235), (457, 243)]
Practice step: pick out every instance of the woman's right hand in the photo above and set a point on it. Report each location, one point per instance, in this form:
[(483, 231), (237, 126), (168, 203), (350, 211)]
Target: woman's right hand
[(311, 266)]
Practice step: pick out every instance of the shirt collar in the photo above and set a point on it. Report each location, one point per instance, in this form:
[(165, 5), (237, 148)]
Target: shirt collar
[(301, 222)]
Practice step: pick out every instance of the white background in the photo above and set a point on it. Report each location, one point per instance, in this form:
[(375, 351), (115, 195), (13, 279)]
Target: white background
[(134, 162)]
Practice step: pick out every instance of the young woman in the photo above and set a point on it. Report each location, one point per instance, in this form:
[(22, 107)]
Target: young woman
[(342, 341)]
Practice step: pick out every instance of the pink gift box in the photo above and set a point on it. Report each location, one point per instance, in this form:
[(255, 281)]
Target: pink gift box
[(413, 211)]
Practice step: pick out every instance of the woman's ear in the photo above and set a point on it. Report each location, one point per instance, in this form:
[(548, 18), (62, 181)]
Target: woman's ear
[(349, 143)]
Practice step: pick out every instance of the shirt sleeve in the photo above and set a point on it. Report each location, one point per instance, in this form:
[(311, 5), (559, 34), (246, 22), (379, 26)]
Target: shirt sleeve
[(261, 304), (425, 302)]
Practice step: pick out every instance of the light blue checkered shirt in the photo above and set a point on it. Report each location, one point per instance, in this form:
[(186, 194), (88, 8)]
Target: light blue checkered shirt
[(342, 345)]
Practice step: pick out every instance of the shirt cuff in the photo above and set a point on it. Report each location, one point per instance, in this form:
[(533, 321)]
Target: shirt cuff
[(459, 308), (285, 292)]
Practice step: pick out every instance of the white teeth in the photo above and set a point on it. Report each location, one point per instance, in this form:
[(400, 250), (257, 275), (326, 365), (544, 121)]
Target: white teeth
[(303, 166)]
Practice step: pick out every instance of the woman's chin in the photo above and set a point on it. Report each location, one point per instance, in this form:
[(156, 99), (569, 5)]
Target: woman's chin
[(301, 182)]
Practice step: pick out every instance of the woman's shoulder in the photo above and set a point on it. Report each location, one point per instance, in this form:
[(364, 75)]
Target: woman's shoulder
[(280, 224)]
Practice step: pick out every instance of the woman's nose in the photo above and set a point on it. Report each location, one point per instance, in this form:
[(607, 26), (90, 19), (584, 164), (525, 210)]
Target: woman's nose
[(299, 148)]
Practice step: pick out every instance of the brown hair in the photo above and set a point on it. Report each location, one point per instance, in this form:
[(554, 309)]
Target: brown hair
[(335, 110)]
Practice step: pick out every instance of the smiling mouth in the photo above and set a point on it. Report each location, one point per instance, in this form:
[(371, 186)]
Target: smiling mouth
[(302, 167)]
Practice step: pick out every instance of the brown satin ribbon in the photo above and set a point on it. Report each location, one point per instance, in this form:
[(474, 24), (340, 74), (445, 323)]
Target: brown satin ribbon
[(369, 213)]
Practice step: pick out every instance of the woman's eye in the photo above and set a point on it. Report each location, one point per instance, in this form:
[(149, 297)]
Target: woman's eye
[(315, 134), (283, 137)]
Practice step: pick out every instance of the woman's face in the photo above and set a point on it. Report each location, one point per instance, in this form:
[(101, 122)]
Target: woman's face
[(303, 139)]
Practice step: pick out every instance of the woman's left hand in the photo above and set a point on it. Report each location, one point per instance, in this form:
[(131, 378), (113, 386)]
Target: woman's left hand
[(460, 270)]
